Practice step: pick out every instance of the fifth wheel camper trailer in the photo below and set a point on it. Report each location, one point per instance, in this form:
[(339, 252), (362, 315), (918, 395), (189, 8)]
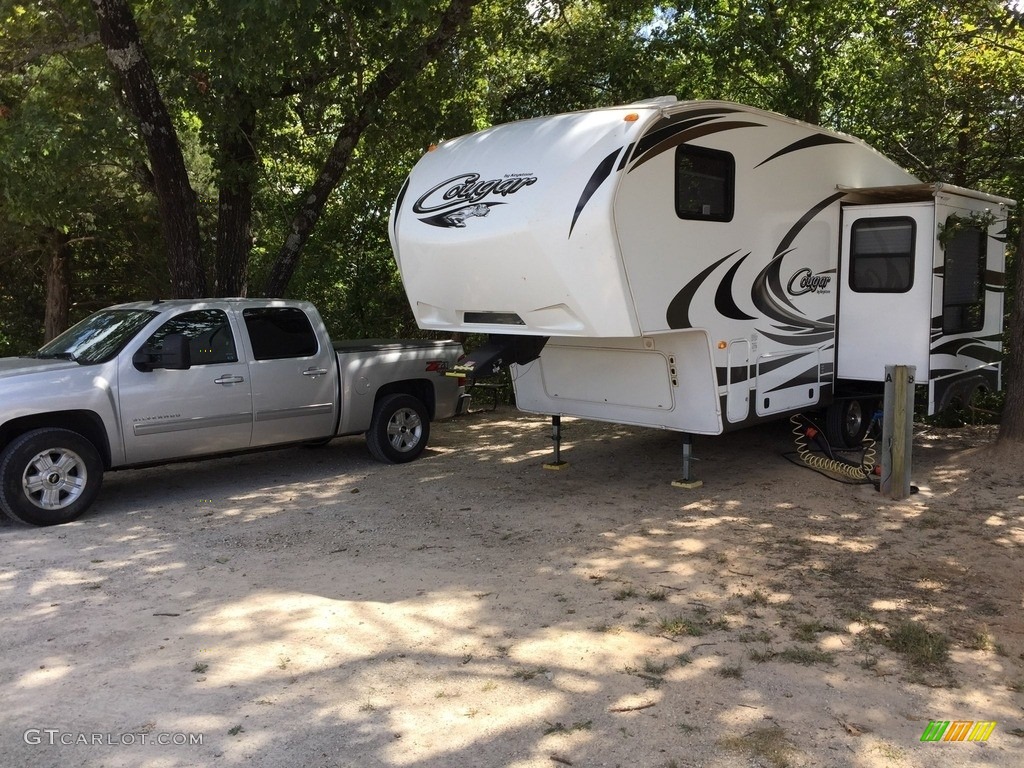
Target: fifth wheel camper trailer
[(701, 266)]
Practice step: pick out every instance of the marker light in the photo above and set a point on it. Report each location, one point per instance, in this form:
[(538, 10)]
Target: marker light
[(723, 344), (632, 117)]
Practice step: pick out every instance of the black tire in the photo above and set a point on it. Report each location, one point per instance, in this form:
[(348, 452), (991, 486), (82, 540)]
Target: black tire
[(49, 476), (847, 421), (399, 430)]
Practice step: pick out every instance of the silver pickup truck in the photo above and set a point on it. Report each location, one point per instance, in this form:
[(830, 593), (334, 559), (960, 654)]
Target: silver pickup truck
[(147, 383)]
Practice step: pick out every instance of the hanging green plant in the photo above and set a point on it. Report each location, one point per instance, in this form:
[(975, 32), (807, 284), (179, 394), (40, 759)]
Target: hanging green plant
[(955, 224)]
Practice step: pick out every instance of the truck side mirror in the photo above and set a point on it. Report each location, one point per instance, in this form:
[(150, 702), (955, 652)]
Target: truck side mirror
[(176, 354), (173, 354)]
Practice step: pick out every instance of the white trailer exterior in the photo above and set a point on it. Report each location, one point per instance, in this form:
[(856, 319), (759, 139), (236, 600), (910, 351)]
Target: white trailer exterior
[(701, 266)]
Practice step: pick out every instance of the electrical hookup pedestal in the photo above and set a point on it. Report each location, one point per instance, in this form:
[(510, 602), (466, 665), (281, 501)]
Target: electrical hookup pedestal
[(556, 438), (688, 480)]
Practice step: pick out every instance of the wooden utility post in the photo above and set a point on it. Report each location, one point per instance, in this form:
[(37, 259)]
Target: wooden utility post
[(897, 431)]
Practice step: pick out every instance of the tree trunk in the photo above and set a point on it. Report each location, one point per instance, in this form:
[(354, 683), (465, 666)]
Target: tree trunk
[(397, 72), (1011, 424), (58, 285), (176, 199), (234, 211)]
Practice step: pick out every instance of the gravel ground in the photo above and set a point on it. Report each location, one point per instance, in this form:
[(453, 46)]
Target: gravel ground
[(315, 608)]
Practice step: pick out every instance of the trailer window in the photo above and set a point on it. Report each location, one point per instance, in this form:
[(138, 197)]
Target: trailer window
[(882, 255), (279, 332), (705, 184), (963, 286)]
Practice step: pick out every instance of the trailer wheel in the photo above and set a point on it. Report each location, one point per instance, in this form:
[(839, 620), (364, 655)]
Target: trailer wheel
[(846, 422), (399, 429), (49, 476)]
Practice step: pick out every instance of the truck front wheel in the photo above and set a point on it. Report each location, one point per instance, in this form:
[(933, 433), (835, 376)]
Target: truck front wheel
[(49, 476), (399, 430)]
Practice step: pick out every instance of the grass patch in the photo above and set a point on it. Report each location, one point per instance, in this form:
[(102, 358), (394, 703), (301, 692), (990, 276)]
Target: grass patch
[(717, 624), (980, 640), (652, 667), (757, 597), (678, 626), (652, 672), (553, 728), (920, 646), (768, 745), (732, 672), (529, 674), (200, 667), (764, 636), (807, 631), (657, 595), (625, 594), (763, 656)]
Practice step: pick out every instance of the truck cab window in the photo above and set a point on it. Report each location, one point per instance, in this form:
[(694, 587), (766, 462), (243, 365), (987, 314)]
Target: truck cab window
[(280, 332), (963, 286), (705, 184), (882, 255), (208, 332)]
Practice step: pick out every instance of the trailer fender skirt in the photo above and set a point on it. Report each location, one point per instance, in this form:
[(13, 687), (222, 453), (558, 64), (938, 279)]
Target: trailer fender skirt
[(496, 354)]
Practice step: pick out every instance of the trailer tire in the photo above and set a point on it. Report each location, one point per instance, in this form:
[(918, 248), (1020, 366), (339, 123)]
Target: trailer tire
[(399, 429), (846, 422), (49, 476)]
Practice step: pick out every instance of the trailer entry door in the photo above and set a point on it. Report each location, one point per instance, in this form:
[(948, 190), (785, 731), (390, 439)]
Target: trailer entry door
[(885, 289)]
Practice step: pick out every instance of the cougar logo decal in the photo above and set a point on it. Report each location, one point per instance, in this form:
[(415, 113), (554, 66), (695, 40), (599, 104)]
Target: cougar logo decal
[(458, 218), (456, 200)]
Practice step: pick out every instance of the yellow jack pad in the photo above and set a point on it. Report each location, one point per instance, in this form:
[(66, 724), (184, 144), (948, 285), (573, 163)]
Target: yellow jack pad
[(557, 465), (687, 484)]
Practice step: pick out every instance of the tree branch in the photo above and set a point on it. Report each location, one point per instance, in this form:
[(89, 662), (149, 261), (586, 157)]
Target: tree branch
[(403, 67)]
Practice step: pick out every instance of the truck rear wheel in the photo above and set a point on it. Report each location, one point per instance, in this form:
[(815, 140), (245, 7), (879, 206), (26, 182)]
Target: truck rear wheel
[(49, 476), (399, 430)]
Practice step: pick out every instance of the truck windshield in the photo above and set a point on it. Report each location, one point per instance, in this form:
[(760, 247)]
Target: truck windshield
[(97, 338)]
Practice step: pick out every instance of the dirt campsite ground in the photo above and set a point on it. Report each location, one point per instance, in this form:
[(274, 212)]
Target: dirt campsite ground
[(314, 608)]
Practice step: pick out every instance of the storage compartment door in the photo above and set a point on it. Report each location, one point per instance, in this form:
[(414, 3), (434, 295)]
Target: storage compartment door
[(885, 278)]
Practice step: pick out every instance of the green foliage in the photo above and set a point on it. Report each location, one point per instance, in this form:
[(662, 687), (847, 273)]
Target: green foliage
[(936, 85)]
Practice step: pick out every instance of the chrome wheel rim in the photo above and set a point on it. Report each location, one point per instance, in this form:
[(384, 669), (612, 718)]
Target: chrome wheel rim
[(54, 478), (854, 418), (405, 429)]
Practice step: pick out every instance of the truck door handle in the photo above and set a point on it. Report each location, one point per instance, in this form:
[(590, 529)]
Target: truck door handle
[(229, 379), (315, 372)]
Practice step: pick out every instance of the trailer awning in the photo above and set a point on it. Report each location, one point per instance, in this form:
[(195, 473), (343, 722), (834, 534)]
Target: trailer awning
[(497, 354), (914, 193)]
